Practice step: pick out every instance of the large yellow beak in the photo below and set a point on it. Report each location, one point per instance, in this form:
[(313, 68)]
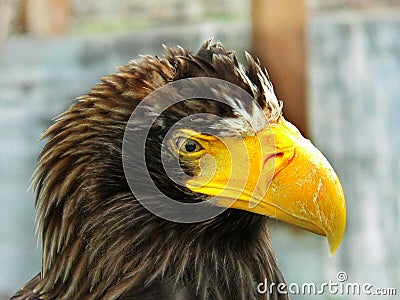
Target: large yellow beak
[(276, 173)]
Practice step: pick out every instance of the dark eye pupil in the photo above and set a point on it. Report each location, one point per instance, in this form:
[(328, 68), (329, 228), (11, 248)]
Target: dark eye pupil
[(190, 146)]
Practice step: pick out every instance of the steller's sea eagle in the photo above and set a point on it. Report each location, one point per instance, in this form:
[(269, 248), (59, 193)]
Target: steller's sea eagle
[(240, 159)]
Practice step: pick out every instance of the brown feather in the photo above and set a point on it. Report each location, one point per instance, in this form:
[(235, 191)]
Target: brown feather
[(98, 242)]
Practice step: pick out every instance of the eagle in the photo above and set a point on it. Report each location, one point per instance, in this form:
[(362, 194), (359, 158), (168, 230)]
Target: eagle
[(159, 184)]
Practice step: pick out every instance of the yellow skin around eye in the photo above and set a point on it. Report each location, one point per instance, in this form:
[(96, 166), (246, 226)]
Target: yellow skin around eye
[(277, 173)]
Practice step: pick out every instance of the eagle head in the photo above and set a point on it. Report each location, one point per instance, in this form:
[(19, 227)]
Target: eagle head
[(158, 183)]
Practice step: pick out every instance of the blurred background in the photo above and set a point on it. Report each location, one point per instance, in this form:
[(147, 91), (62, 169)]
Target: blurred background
[(336, 64)]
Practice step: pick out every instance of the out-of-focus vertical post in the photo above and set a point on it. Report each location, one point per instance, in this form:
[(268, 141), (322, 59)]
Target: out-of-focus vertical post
[(279, 42), (47, 17), (6, 13)]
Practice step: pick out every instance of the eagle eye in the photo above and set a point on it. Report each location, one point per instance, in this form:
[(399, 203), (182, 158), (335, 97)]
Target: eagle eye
[(188, 145)]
